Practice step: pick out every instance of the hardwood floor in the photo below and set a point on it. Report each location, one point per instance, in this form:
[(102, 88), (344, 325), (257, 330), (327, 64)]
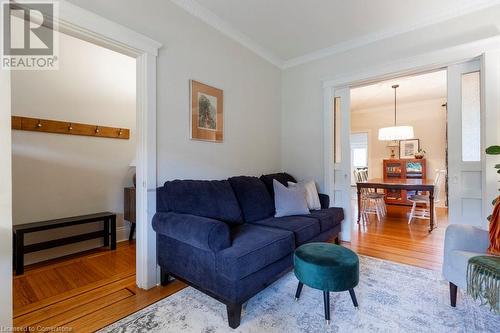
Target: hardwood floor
[(89, 291), (83, 292), (393, 239)]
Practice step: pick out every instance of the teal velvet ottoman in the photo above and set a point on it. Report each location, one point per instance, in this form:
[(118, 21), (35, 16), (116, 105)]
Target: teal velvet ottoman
[(326, 267)]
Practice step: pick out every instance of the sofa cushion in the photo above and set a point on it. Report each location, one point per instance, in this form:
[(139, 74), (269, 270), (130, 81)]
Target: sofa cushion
[(303, 228), (328, 218), (253, 248), (208, 198), (282, 177), (253, 197)]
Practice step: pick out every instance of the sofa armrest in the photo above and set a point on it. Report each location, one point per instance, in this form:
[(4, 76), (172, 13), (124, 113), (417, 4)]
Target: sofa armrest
[(200, 232), (324, 200), (465, 238)]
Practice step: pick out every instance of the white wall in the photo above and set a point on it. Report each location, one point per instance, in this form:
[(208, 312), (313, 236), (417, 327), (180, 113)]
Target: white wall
[(428, 119), (5, 203), (302, 107), (194, 50), (56, 175)]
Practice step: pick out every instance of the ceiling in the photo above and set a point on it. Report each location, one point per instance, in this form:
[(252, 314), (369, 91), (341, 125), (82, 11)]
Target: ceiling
[(288, 32), (411, 89)]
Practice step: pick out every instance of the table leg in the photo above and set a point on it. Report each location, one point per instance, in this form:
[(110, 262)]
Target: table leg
[(19, 252), (431, 208), (105, 232), (359, 203), (113, 232)]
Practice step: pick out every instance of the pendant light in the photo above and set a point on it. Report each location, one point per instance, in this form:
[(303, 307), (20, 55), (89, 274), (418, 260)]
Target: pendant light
[(395, 132)]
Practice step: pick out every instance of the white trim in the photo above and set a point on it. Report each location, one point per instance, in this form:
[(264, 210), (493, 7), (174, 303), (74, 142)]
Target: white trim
[(414, 65), (210, 18), (83, 24), (101, 30), (458, 10), (488, 50)]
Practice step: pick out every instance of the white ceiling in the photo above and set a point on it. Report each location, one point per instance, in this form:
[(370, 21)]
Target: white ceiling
[(411, 89), (288, 32)]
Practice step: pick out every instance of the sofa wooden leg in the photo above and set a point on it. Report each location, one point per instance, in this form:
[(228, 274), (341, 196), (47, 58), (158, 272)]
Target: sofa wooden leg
[(233, 315), (164, 277), (337, 241), (453, 294)]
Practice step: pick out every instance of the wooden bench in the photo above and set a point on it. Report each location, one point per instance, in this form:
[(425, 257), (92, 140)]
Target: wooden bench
[(20, 230)]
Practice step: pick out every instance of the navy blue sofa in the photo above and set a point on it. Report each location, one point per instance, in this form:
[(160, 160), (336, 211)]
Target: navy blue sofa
[(222, 238)]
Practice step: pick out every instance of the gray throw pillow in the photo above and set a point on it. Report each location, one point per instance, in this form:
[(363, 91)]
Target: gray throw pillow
[(289, 201)]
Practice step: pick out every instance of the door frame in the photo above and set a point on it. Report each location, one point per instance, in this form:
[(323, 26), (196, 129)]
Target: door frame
[(487, 50), (83, 24)]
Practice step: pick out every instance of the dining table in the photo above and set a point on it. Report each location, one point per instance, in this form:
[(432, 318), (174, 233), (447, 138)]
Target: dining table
[(419, 185)]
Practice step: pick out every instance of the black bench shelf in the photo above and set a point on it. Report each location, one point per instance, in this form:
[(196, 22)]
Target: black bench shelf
[(20, 230)]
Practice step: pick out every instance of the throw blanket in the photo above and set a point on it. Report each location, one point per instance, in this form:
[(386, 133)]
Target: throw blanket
[(495, 229), (483, 280)]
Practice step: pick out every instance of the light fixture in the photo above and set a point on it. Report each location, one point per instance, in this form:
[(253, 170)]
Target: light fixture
[(395, 132)]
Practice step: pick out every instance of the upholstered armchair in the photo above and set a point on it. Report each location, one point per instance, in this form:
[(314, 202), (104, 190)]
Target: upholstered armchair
[(460, 244)]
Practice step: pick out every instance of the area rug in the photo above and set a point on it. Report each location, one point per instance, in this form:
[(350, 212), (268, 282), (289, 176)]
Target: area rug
[(392, 298)]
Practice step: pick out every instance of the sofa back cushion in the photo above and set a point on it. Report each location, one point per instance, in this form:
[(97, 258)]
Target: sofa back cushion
[(255, 201), (282, 177), (208, 198)]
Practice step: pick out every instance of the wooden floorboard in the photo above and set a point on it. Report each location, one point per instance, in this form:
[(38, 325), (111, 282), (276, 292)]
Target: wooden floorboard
[(83, 292), (86, 292), (394, 239)]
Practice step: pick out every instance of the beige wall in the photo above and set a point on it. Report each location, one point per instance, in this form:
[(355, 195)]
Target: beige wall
[(303, 115), (63, 175), (194, 50), (428, 119)]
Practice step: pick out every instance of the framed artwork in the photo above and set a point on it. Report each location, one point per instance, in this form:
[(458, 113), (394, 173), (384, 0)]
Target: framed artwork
[(408, 148), (207, 112)]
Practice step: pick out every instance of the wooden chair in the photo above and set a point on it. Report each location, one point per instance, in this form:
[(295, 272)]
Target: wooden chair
[(418, 199), (371, 201)]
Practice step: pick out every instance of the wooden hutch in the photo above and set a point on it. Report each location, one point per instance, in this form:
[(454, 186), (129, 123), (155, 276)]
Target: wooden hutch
[(402, 169)]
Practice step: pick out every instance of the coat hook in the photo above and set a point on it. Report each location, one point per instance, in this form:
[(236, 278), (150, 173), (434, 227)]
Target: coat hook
[(39, 124), (97, 129), (70, 127), (120, 132)]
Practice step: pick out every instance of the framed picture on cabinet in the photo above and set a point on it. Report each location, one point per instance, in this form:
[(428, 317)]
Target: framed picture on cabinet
[(408, 148)]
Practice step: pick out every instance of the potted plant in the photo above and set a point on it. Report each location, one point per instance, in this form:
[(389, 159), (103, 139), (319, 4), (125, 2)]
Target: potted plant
[(494, 150), (420, 153)]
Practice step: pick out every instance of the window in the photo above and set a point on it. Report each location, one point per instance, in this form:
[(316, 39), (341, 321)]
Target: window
[(471, 117), (359, 157)]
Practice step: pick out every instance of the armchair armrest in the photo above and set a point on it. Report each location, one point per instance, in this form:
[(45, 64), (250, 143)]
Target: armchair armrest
[(200, 232), (324, 200), (465, 238)]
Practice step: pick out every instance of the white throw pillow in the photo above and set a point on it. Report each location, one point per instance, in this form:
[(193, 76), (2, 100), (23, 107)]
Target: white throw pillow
[(312, 196)]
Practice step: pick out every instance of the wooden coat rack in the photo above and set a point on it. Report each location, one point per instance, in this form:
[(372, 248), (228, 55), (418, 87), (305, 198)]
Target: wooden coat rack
[(65, 127)]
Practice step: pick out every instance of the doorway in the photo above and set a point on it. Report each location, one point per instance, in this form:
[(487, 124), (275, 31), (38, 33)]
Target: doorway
[(339, 169)]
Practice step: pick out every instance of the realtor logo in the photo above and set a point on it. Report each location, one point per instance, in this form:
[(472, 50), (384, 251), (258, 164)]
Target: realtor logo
[(29, 41)]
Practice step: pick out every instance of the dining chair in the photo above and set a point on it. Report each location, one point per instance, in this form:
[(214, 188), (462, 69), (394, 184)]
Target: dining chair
[(423, 200), (371, 201)]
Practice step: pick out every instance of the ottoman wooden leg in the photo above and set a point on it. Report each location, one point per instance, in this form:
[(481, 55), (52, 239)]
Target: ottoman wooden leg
[(299, 290), (326, 297), (353, 297)]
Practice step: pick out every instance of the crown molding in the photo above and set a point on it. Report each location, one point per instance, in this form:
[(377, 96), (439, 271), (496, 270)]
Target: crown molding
[(463, 8), (459, 9), (210, 18)]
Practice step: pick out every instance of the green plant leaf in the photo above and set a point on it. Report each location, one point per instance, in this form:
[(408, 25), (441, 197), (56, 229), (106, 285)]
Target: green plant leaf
[(497, 166), (493, 150)]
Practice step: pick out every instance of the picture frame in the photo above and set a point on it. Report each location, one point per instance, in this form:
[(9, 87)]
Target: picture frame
[(408, 148), (206, 112)]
